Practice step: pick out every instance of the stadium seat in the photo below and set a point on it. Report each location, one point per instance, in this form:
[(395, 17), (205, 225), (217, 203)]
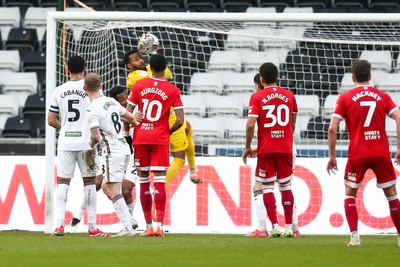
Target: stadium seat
[(384, 3), (238, 83), (278, 4), (199, 3), (347, 82), (296, 60), (194, 105), (252, 60), (9, 108), (379, 60), (235, 130), (23, 39), (21, 84), (391, 129), (314, 83), (207, 130), (35, 61), (308, 105), (35, 110), (10, 60), (206, 83), (133, 3), (298, 10), (17, 127), (9, 18), (314, 3), (260, 10), (329, 104), (225, 61), (317, 128), (231, 105), (282, 38), (36, 17), (242, 39), (238, 5), (162, 3), (245, 101), (389, 82), (350, 3)]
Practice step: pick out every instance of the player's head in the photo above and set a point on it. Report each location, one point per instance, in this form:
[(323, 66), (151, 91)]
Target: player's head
[(134, 61), (76, 64), (257, 83), (361, 71), (158, 63), (92, 82), (119, 93), (268, 73)]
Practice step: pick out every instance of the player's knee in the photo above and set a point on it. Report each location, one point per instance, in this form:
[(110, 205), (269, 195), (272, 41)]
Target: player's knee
[(285, 187), (268, 188)]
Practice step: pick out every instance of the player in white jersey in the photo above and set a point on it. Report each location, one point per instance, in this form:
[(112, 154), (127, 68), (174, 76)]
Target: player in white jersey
[(69, 101), (104, 116)]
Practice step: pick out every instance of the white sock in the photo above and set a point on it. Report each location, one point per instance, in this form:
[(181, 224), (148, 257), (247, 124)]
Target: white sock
[(81, 209), (61, 202), (295, 219), (131, 207), (91, 196), (123, 213), (261, 212)]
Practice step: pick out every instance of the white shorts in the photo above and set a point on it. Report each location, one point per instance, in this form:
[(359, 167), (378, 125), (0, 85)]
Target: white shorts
[(115, 168), (88, 163), (131, 171)]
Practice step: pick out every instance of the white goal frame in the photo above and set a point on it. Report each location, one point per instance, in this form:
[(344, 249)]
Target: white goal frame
[(53, 17)]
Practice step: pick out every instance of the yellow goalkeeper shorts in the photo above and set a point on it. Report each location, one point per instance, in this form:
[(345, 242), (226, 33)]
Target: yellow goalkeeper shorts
[(178, 141)]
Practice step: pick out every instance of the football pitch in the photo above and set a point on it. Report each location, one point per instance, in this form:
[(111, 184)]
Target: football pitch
[(38, 249)]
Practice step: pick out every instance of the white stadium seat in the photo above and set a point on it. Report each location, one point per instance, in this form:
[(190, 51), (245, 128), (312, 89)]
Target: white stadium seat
[(224, 105), (238, 82), (9, 108), (10, 60), (225, 61), (206, 83), (21, 84), (9, 18), (194, 105), (379, 60), (207, 130), (308, 105)]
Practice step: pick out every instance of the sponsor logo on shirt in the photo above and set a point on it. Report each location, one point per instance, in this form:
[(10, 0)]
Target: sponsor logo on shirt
[(73, 134)]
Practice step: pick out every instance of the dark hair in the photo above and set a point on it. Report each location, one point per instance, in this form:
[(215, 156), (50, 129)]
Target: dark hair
[(257, 81), (116, 90), (269, 72), (128, 54), (361, 70), (158, 62), (76, 64)]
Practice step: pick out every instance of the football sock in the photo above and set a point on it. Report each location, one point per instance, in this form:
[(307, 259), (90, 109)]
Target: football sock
[(351, 212), (394, 205), (175, 166), (61, 202), (270, 204), (146, 200), (260, 211), (160, 199), (131, 206), (122, 211), (287, 203), (190, 151), (295, 219), (91, 196)]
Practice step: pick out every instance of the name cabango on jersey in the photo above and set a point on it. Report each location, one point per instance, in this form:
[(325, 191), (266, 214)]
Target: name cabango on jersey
[(73, 92)]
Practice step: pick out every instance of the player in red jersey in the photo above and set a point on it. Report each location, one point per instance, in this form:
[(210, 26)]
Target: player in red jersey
[(274, 110), (364, 109), (154, 97)]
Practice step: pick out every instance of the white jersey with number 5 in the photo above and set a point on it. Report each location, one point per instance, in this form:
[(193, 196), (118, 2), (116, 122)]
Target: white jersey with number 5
[(105, 113), (70, 101)]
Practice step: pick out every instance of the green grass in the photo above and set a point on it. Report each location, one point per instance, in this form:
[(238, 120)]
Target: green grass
[(39, 249)]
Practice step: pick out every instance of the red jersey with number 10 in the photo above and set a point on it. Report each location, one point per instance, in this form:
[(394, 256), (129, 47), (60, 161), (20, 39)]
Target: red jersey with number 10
[(273, 107), (154, 98), (364, 110)]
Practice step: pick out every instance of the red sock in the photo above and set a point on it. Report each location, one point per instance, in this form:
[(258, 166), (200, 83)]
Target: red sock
[(159, 199), (394, 206), (146, 200), (287, 203), (350, 209), (270, 205)]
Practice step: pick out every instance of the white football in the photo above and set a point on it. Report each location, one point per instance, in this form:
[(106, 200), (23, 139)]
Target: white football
[(148, 44)]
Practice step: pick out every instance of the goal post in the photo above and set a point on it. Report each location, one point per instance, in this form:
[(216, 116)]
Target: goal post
[(213, 58)]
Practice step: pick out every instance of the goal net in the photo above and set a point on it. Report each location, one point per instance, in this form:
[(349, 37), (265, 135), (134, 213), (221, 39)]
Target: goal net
[(213, 58)]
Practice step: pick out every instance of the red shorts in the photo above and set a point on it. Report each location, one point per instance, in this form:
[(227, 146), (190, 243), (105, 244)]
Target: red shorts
[(151, 157), (274, 166), (381, 166)]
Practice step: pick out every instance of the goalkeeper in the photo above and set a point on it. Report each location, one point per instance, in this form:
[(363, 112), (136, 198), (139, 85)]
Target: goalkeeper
[(181, 141)]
